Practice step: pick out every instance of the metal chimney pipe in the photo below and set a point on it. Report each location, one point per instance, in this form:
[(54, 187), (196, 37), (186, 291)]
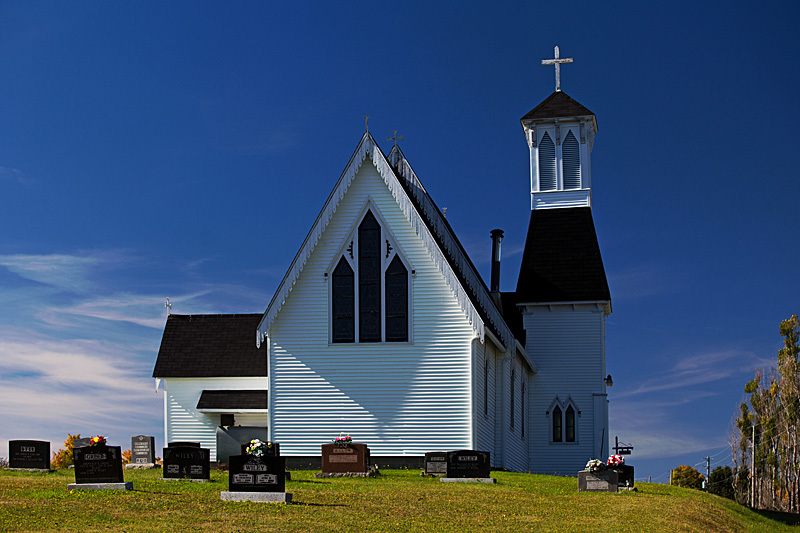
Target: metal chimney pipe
[(497, 238)]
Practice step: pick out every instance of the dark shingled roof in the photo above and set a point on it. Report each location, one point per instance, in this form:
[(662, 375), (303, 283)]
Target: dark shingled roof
[(513, 316), (199, 346), (557, 105), (233, 399), (561, 261)]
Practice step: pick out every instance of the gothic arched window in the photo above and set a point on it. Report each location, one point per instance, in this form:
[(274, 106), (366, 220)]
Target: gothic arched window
[(370, 288)]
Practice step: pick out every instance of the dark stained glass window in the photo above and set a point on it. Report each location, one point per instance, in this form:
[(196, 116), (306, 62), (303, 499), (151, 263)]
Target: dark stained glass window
[(369, 280), (511, 389), (570, 423), (557, 424), (344, 324), (396, 301)]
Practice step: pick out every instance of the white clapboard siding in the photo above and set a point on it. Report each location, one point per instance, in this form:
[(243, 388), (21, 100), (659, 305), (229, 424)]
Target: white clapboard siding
[(567, 344), (486, 418), (183, 422), (515, 446), (399, 398)]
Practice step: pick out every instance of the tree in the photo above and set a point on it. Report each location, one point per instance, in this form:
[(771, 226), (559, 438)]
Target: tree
[(720, 482), (63, 457), (687, 477)]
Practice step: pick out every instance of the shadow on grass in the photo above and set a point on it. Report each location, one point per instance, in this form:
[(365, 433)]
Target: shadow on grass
[(789, 519), (309, 504), (307, 481)]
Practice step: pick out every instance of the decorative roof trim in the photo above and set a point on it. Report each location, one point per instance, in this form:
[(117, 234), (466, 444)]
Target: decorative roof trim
[(368, 147), (459, 257)]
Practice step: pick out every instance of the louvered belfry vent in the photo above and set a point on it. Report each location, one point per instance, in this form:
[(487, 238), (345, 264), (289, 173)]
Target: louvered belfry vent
[(571, 162), (547, 164)]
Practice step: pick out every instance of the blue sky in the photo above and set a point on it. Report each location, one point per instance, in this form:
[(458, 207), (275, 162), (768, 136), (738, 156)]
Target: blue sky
[(184, 150)]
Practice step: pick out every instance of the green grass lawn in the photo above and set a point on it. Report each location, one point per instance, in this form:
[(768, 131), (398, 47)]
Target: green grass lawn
[(398, 500)]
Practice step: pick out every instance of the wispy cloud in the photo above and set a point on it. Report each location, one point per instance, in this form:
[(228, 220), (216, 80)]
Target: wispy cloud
[(642, 281), (696, 370), (66, 272), (13, 174)]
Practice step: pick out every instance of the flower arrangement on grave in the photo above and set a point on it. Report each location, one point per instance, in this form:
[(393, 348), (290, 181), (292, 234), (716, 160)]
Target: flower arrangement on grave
[(97, 440), (595, 465), (342, 440), (258, 447), (615, 460)]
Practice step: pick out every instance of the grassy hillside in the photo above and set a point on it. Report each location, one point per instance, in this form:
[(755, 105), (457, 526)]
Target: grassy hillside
[(396, 501)]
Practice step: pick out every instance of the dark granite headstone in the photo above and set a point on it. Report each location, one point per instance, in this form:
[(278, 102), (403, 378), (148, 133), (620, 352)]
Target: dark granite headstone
[(143, 450), (624, 475), (250, 473), (601, 481), (272, 451), (337, 459), (468, 463), (29, 454), (181, 443), (98, 464), (436, 463), (81, 443), (187, 462)]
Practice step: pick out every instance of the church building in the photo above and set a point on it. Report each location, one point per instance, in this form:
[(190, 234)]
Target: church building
[(383, 329)]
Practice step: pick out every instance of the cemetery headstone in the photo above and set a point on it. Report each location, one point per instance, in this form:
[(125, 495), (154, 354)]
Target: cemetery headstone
[(143, 450), (436, 463), (187, 462), (182, 443), (468, 464), (29, 454), (99, 467), (250, 473), (599, 481), (624, 475), (339, 458)]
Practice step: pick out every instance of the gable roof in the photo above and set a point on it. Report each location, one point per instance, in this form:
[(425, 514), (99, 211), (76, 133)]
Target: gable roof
[(557, 105), (195, 346), (561, 261), (433, 230)]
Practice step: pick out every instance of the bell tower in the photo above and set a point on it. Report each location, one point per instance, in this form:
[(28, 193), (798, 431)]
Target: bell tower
[(560, 134)]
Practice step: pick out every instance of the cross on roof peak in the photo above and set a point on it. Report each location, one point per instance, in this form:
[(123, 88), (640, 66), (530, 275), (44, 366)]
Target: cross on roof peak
[(557, 61), (394, 137)]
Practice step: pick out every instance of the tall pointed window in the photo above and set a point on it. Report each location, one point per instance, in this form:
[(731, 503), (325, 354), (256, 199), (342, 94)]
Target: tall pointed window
[(564, 421), (369, 279), (344, 327), (370, 288), (571, 162), (547, 164), (557, 424), (511, 391), (569, 419), (396, 301)]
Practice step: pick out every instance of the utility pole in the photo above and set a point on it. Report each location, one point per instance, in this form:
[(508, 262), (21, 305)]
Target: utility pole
[(708, 473)]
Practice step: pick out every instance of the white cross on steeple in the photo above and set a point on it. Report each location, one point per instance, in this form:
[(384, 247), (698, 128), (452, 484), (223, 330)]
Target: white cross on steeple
[(557, 62)]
